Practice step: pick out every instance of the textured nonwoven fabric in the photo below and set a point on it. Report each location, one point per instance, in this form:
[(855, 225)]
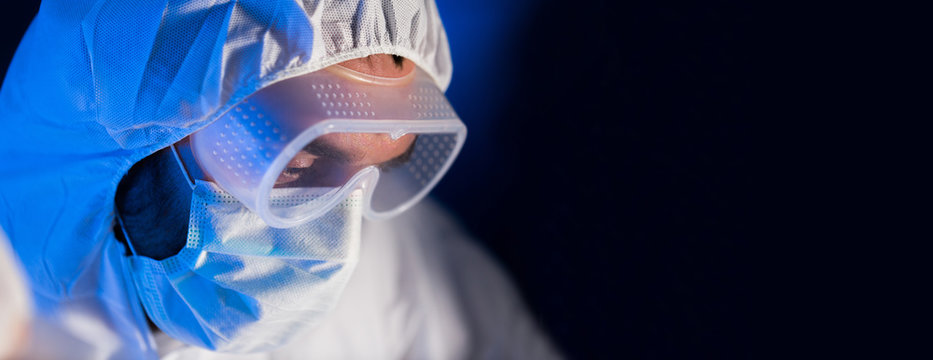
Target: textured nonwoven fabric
[(239, 285), (97, 85)]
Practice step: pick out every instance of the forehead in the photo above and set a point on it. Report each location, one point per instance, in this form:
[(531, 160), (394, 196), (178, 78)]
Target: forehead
[(383, 65)]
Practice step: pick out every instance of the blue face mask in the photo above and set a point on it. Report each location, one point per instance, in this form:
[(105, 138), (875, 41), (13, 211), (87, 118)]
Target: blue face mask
[(239, 285)]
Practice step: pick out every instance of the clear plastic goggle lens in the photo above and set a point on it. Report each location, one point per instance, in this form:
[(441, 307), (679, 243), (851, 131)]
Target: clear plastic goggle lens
[(296, 148), (429, 157), (399, 171)]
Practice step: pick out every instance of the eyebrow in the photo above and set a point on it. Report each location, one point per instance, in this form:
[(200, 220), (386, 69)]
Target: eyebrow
[(329, 151)]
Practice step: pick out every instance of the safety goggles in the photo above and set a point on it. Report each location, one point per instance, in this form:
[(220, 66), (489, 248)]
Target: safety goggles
[(295, 149)]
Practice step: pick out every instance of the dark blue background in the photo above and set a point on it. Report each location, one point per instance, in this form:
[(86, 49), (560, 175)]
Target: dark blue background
[(606, 166)]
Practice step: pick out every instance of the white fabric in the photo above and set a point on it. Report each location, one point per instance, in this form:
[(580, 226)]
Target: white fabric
[(422, 290), (241, 286)]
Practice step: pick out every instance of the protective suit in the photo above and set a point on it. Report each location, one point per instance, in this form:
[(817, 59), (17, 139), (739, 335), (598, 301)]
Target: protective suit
[(95, 86)]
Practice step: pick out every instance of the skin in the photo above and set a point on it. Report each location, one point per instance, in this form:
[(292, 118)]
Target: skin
[(364, 149), (153, 198), (361, 150)]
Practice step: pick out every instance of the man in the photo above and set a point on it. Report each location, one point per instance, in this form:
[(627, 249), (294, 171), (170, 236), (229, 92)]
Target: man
[(188, 179)]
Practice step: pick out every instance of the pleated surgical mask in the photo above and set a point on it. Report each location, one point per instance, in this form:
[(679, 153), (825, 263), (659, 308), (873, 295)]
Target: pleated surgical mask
[(240, 285)]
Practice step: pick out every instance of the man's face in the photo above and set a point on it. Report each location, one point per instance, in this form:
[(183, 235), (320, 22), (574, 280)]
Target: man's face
[(154, 198), (331, 159)]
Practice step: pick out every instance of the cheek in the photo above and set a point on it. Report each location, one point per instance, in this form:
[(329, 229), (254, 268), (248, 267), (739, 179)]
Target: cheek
[(302, 160), (379, 148)]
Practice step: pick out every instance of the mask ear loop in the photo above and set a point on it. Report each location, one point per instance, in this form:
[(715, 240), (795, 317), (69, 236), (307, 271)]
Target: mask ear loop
[(181, 165), (126, 236), (188, 178)]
